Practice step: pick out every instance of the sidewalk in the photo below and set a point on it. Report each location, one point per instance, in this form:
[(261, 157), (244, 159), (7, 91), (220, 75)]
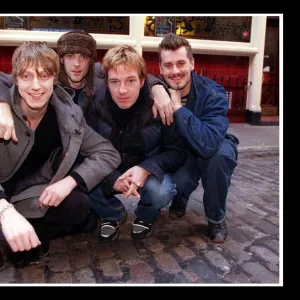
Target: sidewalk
[(256, 138), (177, 252)]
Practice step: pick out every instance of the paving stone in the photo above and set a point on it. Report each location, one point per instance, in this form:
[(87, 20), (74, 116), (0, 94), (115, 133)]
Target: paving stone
[(167, 263), (192, 277), (7, 275), (198, 241), (141, 273), (58, 245), (184, 252), (61, 278), (110, 267), (85, 275), (260, 273), (33, 274), (218, 260), (236, 250), (273, 244), (265, 254), (205, 273), (101, 251), (59, 262), (80, 258), (238, 278), (124, 250), (154, 244)]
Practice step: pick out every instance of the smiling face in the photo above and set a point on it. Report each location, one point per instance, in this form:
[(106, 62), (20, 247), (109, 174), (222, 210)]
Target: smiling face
[(176, 67), (124, 85), (35, 89), (76, 66)]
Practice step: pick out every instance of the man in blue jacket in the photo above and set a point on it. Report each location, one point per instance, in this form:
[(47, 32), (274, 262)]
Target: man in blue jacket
[(200, 112)]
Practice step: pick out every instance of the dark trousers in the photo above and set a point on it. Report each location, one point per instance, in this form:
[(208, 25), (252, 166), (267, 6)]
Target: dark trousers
[(215, 173), (59, 220)]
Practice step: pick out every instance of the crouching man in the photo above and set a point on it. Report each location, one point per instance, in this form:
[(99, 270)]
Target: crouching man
[(42, 189)]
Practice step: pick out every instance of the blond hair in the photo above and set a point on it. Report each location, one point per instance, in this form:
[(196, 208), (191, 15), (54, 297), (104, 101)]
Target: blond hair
[(124, 55)]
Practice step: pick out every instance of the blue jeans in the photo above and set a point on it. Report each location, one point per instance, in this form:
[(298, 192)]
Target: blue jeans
[(154, 196), (215, 173)]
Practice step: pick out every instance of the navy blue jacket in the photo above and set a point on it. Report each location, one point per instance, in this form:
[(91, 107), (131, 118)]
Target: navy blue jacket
[(203, 122), (145, 142)]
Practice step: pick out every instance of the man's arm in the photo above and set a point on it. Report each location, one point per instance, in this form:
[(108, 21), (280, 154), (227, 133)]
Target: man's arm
[(6, 82), (101, 158), (18, 232), (7, 129), (162, 100), (206, 134)]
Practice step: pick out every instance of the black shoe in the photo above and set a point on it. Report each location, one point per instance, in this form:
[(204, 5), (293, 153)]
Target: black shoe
[(109, 230), (176, 212), (217, 232), (89, 224), (16, 258), (34, 255), (2, 260), (140, 229), (45, 249)]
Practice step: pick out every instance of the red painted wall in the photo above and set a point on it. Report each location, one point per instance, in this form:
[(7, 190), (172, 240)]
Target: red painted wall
[(218, 67)]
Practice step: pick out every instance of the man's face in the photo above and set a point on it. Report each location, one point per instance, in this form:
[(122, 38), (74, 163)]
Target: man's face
[(35, 89), (176, 69), (76, 67), (124, 85)]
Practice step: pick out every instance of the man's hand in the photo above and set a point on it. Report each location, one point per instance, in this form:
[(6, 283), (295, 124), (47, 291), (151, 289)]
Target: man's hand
[(162, 104), (176, 99), (121, 186), (136, 175), (132, 191), (7, 126), (55, 193), (18, 232)]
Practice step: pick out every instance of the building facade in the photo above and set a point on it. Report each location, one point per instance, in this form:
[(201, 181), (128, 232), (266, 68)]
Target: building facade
[(241, 53)]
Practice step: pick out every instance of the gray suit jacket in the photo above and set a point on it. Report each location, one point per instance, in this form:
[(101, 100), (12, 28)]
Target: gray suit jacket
[(101, 158)]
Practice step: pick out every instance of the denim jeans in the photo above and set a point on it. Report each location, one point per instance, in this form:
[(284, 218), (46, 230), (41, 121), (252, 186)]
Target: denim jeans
[(154, 196), (215, 173)]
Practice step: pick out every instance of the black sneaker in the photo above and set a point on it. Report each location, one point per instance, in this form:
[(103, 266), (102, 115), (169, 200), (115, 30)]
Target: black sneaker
[(109, 230), (176, 212), (140, 229), (217, 232)]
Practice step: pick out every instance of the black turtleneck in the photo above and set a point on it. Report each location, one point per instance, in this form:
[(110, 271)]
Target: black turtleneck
[(123, 116)]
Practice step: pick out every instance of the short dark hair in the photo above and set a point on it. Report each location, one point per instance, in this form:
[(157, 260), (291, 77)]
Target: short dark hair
[(173, 42)]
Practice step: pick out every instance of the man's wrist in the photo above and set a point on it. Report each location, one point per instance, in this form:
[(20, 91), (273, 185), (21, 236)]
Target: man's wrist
[(176, 107), (4, 206)]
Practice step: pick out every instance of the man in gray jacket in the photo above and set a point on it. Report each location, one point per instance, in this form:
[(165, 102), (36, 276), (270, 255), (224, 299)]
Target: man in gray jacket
[(42, 187)]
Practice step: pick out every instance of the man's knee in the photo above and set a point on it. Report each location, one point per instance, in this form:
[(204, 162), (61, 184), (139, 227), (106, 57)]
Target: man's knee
[(225, 159), (76, 206), (159, 193)]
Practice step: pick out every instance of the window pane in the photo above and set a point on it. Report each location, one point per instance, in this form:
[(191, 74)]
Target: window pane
[(104, 25), (236, 29)]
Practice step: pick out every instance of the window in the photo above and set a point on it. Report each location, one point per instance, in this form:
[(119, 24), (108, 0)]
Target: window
[(236, 29)]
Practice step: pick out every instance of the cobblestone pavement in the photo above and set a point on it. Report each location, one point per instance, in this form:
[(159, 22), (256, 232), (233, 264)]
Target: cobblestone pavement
[(177, 252)]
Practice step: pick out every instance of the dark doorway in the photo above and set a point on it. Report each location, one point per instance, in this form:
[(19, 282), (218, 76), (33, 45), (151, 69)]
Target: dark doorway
[(270, 86)]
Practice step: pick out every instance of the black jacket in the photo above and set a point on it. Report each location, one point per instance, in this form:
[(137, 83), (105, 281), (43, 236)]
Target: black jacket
[(145, 142)]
